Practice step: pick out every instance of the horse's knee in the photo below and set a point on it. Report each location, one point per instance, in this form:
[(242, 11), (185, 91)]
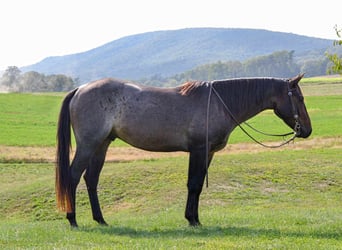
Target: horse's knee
[(195, 188)]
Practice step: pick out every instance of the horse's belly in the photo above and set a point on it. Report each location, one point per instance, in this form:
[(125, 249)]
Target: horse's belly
[(153, 140), (153, 122)]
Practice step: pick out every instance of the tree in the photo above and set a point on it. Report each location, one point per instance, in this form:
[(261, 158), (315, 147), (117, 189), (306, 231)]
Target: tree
[(10, 77), (33, 81), (277, 64), (335, 58), (59, 83), (314, 67)]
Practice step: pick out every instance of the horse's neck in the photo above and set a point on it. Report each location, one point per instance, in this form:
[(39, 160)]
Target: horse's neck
[(248, 101)]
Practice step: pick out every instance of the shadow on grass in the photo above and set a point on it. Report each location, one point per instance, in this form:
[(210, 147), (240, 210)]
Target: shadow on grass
[(204, 231)]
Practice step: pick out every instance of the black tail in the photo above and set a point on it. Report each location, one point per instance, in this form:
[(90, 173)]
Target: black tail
[(62, 186)]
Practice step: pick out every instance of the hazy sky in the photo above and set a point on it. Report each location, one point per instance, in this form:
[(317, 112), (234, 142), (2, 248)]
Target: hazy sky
[(34, 29)]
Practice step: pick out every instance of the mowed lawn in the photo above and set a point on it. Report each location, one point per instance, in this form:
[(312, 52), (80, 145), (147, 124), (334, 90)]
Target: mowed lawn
[(287, 199), (31, 120), (269, 199)]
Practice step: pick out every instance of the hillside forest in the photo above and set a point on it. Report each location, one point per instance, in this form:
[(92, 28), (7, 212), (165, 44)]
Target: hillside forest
[(277, 64)]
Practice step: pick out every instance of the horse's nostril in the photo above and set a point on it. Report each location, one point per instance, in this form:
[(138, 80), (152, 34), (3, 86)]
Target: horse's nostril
[(305, 133)]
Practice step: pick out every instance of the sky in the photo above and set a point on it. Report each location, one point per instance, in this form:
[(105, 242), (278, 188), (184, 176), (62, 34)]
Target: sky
[(33, 30)]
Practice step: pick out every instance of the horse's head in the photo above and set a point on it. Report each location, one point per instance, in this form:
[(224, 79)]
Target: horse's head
[(290, 107)]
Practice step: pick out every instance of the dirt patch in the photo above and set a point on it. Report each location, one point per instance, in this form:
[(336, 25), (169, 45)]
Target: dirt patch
[(121, 154)]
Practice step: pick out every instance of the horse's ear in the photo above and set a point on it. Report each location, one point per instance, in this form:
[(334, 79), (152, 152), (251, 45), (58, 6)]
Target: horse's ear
[(295, 80)]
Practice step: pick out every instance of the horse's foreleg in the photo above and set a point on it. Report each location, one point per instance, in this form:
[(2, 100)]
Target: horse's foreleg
[(196, 175), (91, 178)]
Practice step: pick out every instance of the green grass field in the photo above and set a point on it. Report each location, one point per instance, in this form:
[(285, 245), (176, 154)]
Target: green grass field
[(31, 119), (269, 199), (28, 119)]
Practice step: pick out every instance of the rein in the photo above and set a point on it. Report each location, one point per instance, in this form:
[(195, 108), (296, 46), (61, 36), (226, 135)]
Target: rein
[(296, 129)]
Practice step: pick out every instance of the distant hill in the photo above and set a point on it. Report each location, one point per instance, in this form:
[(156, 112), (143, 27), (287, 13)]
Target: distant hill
[(171, 52)]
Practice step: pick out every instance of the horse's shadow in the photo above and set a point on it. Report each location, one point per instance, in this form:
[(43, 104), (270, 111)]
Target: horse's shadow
[(211, 231)]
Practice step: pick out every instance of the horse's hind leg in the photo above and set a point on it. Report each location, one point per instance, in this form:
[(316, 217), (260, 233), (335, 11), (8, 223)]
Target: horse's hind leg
[(79, 164), (91, 178)]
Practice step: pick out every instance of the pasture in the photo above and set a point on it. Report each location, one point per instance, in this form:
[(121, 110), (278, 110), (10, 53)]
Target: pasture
[(289, 198)]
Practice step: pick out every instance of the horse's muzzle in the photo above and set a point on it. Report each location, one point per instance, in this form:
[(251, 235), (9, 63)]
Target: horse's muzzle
[(303, 132)]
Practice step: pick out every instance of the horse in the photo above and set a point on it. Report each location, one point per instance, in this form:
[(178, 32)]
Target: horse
[(195, 117)]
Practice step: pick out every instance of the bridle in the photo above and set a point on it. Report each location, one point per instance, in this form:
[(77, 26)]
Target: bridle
[(295, 133), (296, 129)]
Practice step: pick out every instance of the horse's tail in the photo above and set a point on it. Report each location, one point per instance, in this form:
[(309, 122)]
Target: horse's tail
[(63, 180)]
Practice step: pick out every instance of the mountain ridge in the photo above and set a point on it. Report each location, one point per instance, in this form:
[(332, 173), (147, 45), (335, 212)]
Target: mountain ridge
[(171, 52)]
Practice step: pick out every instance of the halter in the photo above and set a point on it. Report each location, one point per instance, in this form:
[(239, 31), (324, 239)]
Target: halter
[(295, 133)]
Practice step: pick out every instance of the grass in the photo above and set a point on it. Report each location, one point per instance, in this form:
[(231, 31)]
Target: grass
[(322, 86), (275, 199), (322, 80), (31, 119), (288, 199), (28, 119)]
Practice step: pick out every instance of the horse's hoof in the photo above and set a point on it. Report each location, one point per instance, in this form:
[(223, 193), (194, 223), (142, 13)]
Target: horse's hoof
[(101, 221), (195, 224), (73, 224)]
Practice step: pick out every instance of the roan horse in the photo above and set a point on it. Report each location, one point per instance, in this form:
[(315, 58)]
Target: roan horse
[(196, 117)]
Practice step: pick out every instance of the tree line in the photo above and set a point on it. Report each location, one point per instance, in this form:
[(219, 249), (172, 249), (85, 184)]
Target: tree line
[(278, 64), (13, 80)]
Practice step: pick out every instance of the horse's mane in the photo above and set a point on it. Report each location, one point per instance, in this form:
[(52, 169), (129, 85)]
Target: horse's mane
[(188, 87), (238, 92), (235, 83)]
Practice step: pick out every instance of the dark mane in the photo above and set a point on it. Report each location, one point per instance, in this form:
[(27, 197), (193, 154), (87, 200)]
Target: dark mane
[(256, 86), (188, 87), (239, 93)]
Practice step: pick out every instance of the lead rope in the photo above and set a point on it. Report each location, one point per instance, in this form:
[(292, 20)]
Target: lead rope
[(207, 138)]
